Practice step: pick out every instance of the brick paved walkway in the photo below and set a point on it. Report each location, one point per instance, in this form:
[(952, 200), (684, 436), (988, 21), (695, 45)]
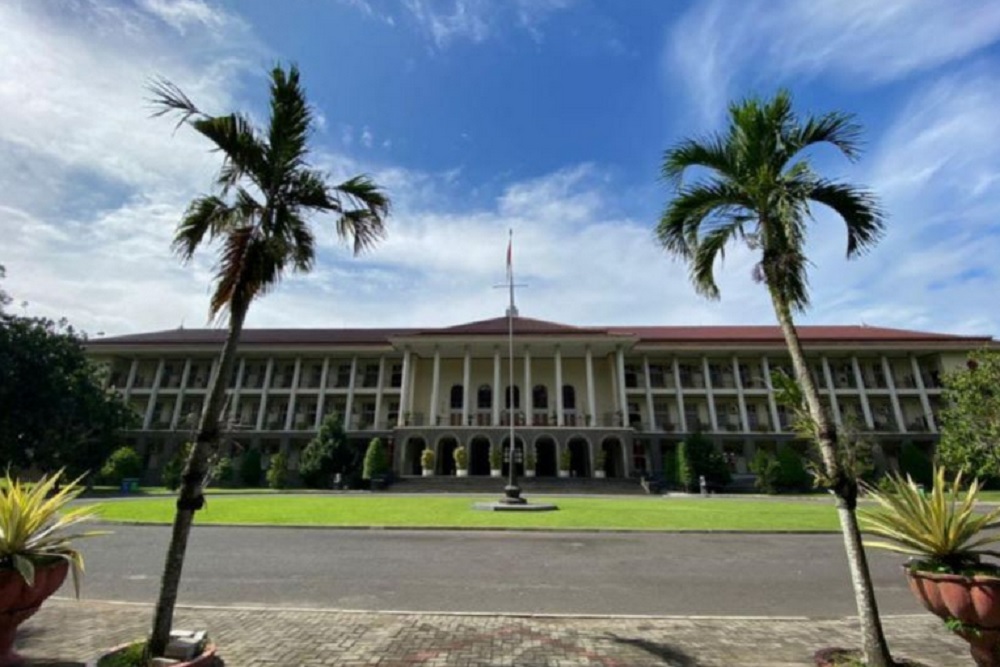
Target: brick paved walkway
[(67, 633)]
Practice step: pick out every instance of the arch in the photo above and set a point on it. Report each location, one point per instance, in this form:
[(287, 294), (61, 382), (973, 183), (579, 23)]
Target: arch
[(579, 453), (444, 463), (479, 455), (614, 460), (411, 455), (540, 397), (517, 397), (518, 455), (569, 397), (457, 396), (484, 397), (545, 456)]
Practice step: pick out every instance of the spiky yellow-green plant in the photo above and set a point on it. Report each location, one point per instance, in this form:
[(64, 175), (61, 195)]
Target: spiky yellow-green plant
[(35, 525), (942, 526)]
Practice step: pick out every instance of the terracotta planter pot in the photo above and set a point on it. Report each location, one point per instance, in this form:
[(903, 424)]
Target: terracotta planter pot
[(975, 601), (19, 601), (208, 658)]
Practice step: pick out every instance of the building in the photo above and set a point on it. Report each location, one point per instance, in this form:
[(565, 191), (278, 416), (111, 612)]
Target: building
[(632, 391)]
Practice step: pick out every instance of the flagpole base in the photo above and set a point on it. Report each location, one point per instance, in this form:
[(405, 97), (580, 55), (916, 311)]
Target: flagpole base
[(512, 495)]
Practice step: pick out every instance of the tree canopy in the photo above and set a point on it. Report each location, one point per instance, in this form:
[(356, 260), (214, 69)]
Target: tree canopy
[(970, 420)]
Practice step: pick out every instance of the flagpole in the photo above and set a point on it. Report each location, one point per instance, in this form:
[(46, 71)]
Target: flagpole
[(512, 493)]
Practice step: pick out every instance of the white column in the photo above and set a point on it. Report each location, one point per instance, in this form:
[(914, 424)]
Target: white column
[(925, 402), (153, 395), (649, 395), (620, 367), (414, 367), (740, 398), (404, 382), (529, 398), (832, 391), (466, 381), (900, 424), (497, 389), (263, 393), (681, 417), (379, 389), (432, 413), (290, 413), (349, 408), (132, 370), (709, 395), (591, 399), (180, 395), (771, 403), (560, 420), (613, 377), (862, 393), (321, 398)]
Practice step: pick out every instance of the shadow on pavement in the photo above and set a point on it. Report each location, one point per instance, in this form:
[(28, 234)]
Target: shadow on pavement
[(670, 655)]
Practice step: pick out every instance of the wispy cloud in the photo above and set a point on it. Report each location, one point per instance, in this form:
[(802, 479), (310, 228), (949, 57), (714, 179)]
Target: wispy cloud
[(449, 21), (862, 42)]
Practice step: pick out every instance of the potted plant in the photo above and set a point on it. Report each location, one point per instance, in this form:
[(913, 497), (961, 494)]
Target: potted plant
[(565, 458), (530, 461), (600, 459), (944, 533), (36, 550), (496, 461), (461, 456), (427, 462)]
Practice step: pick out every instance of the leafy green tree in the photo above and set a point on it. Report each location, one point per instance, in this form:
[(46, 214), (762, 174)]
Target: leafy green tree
[(916, 464), (329, 453), (757, 187), (258, 218), (56, 412), (376, 460), (792, 472), (766, 468), (123, 463), (277, 472), (174, 468), (970, 421), (696, 456)]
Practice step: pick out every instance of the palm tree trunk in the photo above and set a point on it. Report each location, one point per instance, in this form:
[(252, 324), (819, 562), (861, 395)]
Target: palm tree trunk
[(876, 651), (190, 498)]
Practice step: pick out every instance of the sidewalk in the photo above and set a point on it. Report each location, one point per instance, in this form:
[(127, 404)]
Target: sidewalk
[(67, 633)]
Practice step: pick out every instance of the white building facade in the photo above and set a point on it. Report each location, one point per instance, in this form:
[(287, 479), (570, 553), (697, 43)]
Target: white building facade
[(632, 392)]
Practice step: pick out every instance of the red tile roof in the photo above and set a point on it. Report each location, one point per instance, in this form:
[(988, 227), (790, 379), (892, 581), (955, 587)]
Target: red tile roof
[(529, 326)]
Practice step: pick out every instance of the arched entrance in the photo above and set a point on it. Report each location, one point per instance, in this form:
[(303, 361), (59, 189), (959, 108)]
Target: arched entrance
[(411, 455), (479, 455), (545, 455), (579, 457), (613, 461), (445, 464), (518, 455)]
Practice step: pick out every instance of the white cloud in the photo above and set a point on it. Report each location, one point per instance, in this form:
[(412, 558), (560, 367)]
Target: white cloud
[(448, 21), (367, 138), (860, 41)]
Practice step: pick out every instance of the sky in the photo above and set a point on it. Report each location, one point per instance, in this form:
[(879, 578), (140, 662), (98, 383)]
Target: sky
[(548, 117)]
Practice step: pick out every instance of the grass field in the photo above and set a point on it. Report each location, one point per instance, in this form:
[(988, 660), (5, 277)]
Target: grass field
[(456, 512)]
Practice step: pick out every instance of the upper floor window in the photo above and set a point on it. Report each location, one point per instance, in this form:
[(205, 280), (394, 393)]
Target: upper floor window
[(569, 397), (484, 397), (517, 397), (540, 397), (457, 396)]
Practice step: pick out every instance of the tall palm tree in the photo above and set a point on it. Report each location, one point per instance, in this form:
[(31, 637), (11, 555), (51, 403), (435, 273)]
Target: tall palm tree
[(257, 214), (756, 187)]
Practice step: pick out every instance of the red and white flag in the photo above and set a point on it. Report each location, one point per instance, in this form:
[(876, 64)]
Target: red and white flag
[(510, 250)]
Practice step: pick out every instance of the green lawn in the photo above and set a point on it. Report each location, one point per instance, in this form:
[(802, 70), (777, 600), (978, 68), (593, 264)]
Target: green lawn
[(456, 512)]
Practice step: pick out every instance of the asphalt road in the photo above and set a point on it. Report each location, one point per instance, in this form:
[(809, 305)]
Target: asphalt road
[(575, 573)]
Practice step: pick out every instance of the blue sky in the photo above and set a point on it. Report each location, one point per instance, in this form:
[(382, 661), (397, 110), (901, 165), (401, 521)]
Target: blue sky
[(548, 116)]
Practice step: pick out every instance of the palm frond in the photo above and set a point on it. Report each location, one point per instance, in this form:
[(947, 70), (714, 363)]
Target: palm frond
[(710, 248), (288, 129), (836, 128), (364, 207), (859, 209), (681, 224), (205, 216), (236, 138), (709, 152), (169, 98)]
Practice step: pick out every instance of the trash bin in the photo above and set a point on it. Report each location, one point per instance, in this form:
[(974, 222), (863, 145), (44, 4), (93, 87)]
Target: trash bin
[(130, 485)]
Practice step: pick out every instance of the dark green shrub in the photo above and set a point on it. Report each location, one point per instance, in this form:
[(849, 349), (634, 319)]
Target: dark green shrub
[(172, 470), (916, 464), (376, 462), (250, 467), (124, 462), (696, 456), (223, 472), (792, 473), (766, 468), (327, 454), (277, 472)]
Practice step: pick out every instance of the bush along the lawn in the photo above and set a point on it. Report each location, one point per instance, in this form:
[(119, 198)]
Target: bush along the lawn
[(171, 475), (792, 473), (277, 472), (765, 467), (250, 467), (916, 464), (376, 462), (696, 456), (224, 472), (123, 463)]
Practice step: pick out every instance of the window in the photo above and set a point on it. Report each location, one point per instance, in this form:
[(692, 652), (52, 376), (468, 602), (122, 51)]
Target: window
[(343, 375), (657, 376), (456, 397), (569, 397), (631, 376), (517, 397), (484, 397), (397, 375), (540, 397), (370, 378)]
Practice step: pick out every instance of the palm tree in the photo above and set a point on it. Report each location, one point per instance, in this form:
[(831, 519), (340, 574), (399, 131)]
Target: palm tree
[(264, 192), (757, 187)]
